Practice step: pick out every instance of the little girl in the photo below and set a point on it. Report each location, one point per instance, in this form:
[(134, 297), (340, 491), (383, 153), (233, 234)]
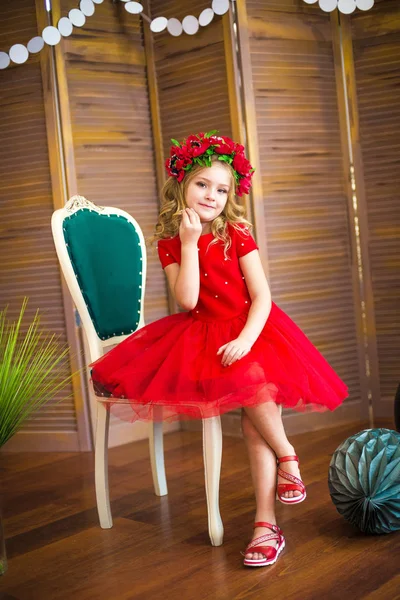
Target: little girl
[(233, 347)]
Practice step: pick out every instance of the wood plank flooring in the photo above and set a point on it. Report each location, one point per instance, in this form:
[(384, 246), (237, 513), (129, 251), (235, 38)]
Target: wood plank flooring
[(159, 547)]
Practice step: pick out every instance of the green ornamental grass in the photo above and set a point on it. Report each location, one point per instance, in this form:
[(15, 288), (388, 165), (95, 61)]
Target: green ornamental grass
[(28, 371)]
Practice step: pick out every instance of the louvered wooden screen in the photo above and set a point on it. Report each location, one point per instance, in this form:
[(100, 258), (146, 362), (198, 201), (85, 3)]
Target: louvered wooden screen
[(191, 75), (305, 207), (111, 125), (376, 47), (29, 266), (111, 130)]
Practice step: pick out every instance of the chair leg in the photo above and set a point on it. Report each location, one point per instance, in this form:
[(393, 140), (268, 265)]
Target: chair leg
[(156, 446), (101, 466), (212, 453)]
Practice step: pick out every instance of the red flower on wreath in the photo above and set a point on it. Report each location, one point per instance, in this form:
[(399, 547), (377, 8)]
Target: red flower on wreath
[(198, 149), (223, 145)]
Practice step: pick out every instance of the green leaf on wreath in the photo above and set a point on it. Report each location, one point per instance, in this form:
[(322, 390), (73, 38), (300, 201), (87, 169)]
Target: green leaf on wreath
[(175, 142), (210, 133), (226, 158)]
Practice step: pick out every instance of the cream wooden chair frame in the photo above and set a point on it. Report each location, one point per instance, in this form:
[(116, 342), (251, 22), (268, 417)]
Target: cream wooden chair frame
[(212, 434)]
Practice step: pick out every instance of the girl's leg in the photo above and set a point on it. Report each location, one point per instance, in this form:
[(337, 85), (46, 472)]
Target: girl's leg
[(267, 419), (263, 472)]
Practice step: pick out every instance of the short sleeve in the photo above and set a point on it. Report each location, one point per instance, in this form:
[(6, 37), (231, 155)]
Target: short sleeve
[(245, 242), (167, 252)]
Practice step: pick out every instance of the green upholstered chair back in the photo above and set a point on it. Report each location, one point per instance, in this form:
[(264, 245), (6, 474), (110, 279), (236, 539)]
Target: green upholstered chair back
[(106, 253)]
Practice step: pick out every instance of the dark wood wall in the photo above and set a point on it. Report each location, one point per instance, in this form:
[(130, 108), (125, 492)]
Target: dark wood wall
[(111, 132), (124, 93), (303, 214), (29, 265), (191, 75), (376, 44)]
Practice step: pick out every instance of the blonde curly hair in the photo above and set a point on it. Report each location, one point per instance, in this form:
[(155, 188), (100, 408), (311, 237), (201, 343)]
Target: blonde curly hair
[(173, 203)]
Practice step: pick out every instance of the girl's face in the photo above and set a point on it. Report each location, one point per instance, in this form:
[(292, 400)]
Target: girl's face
[(207, 192)]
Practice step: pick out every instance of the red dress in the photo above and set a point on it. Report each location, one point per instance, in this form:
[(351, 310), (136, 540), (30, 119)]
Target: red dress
[(169, 369)]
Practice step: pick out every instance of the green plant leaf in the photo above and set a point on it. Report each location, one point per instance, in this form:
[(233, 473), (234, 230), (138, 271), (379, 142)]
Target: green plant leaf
[(210, 133), (30, 369), (175, 142), (226, 158)]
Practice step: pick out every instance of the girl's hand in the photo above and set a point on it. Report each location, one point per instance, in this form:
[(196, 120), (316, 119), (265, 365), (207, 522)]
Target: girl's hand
[(234, 350), (190, 227)]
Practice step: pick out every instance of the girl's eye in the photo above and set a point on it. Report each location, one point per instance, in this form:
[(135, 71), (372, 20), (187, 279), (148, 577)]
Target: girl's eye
[(203, 185)]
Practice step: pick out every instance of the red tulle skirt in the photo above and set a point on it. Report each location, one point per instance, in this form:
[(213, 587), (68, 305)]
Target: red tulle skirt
[(170, 370)]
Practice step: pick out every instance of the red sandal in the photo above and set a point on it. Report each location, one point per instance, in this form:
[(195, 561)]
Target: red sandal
[(271, 553), (297, 484)]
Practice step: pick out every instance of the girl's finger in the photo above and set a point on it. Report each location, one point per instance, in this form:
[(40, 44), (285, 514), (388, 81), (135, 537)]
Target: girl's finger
[(191, 215), (236, 356), (227, 357)]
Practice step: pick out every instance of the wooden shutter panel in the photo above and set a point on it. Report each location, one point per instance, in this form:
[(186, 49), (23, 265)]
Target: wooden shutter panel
[(376, 48), (191, 75), (29, 265), (106, 93), (105, 68), (304, 202)]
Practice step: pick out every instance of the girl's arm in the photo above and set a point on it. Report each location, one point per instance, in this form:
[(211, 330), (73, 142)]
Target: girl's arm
[(184, 281), (260, 295)]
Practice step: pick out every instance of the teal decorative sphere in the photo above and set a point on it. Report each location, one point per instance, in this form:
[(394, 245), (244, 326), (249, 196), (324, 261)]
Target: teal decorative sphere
[(364, 480)]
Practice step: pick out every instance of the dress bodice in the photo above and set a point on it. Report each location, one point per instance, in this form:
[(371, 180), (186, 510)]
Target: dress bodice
[(223, 291)]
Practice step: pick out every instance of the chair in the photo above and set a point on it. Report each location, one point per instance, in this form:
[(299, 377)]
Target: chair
[(92, 245)]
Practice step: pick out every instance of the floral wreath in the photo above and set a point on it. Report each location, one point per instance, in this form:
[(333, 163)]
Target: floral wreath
[(198, 149)]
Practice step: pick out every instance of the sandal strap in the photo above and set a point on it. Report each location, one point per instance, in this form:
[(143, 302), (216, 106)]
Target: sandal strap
[(290, 477), (265, 524), (290, 487), (263, 538), (288, 458)]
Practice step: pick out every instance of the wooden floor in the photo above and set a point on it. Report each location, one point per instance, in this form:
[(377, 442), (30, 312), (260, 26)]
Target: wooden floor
[(159, 547)]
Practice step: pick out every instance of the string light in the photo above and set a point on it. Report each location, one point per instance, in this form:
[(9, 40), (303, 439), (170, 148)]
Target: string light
[(18, 53), (344, 6)]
